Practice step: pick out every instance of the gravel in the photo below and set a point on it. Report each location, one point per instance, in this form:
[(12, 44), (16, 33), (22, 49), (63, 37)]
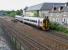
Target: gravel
[(3, 43)]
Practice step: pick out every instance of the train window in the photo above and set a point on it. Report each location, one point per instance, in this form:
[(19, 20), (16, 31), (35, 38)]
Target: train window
[(61, 7), (54, 8), (64, 20), (26, 19), (31, 20), (67, 4)]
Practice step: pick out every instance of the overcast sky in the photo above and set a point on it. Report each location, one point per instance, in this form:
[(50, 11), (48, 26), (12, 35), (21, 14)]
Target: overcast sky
[(20, 4)]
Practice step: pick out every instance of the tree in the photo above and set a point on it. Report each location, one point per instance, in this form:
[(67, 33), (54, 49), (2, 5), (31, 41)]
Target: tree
[(19, 12)]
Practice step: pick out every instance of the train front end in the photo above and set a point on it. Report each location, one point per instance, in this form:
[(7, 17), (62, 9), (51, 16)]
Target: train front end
[(45, 23)]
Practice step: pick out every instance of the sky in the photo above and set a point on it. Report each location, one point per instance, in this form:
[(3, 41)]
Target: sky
[(21, 4)]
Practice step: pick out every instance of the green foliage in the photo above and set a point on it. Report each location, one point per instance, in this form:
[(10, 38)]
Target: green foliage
[(53, 26), (19, 12), (58, 27), (13, 13)]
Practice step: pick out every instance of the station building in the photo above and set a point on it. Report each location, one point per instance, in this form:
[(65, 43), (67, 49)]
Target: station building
[(57, 12)]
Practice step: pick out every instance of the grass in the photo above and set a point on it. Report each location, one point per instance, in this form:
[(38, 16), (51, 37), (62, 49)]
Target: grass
[(58, 27)]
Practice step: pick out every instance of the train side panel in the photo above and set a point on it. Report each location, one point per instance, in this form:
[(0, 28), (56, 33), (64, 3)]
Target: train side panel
[(34, 21)]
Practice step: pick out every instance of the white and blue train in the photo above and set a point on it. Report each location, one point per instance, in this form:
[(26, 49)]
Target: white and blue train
[(37, 21)]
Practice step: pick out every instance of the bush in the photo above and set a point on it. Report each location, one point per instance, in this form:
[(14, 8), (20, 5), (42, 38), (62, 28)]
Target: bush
[(58, 27), (12, 14), (53, 26)]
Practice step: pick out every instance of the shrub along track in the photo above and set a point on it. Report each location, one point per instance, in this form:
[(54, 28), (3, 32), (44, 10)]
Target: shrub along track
[(35, 39)]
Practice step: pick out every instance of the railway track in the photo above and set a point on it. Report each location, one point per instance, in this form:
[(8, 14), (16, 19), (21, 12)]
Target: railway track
[(65, 38), (59, 34), (38, 42), (52, 32), (33, 45)]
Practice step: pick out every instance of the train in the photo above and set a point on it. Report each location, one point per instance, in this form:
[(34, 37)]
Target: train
[(43, 23)]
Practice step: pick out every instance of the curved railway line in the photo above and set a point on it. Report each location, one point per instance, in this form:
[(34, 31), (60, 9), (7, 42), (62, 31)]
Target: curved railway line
[(35, 39)]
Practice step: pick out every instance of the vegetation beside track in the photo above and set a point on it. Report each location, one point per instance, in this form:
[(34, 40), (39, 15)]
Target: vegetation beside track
[(11, 13), (58, 27)]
